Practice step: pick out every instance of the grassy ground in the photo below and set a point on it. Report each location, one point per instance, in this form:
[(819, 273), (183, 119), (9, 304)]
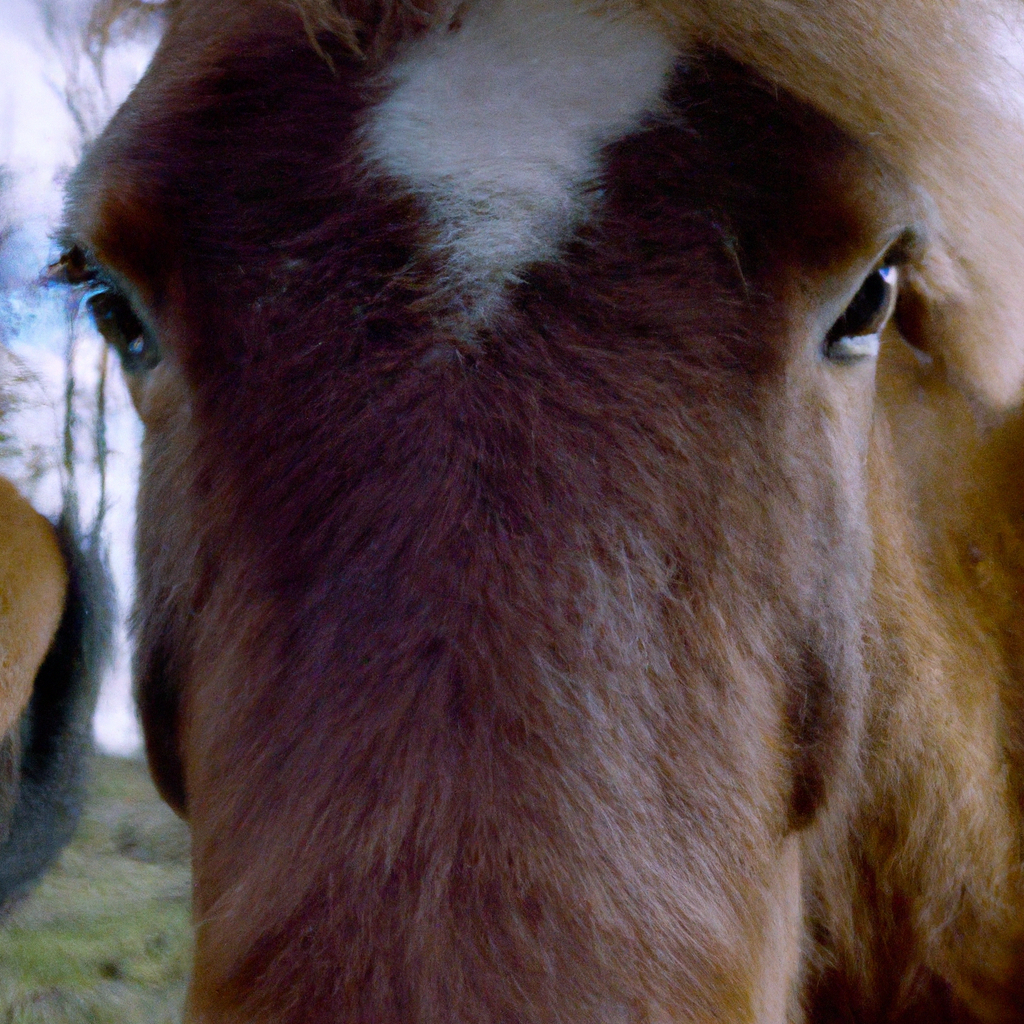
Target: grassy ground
[(105, 937)]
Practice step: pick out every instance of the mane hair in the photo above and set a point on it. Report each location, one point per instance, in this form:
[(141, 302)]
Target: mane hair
[(372, 28)]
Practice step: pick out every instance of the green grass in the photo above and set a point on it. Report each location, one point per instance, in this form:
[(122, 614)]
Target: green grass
[(105, 938)]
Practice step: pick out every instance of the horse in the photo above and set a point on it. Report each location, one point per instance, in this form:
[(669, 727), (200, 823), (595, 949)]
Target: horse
[(580, 538), (34, 586), (54, 637)]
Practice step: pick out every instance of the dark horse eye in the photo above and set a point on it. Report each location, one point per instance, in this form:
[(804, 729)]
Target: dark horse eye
[(121, 328), (855, 335)]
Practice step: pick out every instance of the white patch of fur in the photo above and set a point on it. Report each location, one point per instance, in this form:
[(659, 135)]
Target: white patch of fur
[(498, 123)]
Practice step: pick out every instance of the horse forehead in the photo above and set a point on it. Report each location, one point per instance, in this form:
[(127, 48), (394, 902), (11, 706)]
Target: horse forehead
[(498, 123), (495, 121), (503, 124)]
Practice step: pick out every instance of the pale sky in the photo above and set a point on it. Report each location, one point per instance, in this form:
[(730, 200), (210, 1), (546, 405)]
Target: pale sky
[(39, 143)]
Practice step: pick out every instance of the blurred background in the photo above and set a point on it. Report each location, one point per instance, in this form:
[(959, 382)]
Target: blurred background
[(59, 84), (105, 938)]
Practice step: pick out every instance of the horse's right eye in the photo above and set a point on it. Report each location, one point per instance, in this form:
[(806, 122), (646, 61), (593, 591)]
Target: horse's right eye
[(855, 335), (116, 321)]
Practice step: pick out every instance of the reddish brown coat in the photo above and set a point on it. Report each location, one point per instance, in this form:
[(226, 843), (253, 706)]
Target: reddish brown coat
[(621, 658)]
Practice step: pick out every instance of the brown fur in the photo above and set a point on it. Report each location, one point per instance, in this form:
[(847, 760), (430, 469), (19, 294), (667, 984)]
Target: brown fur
[(33, 585), (54, 637), (632, 664), (33, 582)]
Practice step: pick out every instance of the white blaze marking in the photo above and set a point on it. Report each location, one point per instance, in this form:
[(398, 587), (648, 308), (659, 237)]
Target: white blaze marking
[(498, 126)]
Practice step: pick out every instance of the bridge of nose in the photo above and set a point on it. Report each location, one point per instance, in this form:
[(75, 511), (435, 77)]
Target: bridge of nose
[(33, 585)]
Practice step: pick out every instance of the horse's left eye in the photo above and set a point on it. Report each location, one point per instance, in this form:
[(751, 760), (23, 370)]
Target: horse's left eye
[(116, 321), (855, 335)]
